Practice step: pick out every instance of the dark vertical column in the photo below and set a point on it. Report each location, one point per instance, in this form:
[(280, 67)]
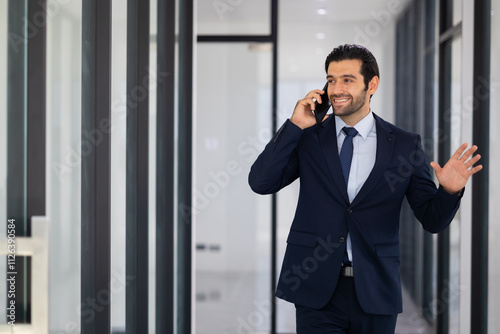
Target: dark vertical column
[(418, 127), (16, 117), (137, 165), (16, 144), (35, 148), (96, 222), (400, 56), (185, 149), (444, 138), (411, 228), (405, 104), (443, 247), (274, 209), (429, 66), (480, 186), (165, 157), (35, 95)]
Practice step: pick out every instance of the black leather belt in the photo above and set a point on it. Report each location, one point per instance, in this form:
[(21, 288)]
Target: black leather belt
[(347, 271)]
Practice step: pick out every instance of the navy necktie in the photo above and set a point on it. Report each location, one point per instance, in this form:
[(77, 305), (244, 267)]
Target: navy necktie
[(345, 162), (346, 152)]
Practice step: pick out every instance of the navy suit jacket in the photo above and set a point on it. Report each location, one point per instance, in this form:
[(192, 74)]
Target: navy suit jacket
[(318, 234)]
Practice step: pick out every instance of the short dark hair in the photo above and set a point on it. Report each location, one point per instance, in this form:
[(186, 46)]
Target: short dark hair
[(369, 68)]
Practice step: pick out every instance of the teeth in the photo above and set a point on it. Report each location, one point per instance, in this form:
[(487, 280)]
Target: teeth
[(342, 100)]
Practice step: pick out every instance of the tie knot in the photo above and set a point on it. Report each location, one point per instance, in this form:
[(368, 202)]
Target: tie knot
[(349, 131)]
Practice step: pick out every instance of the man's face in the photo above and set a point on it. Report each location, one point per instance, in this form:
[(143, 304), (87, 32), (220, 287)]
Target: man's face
[(346, 88)]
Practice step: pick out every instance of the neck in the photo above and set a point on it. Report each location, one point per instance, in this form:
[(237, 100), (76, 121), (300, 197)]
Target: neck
[(353, 119)]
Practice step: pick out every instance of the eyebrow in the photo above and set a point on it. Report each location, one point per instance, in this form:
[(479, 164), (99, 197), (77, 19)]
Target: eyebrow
[(342, 76)]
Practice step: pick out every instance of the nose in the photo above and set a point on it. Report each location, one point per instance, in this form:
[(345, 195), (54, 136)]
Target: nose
[(335, 88)]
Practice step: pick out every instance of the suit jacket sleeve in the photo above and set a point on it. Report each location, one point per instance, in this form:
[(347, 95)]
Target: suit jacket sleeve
[(277, 166), (434, 208)]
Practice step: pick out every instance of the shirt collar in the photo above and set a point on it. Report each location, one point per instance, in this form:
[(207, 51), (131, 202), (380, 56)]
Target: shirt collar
[(364, 127)]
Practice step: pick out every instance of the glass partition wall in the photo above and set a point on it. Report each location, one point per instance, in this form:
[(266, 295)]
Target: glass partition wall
[(232, 225)]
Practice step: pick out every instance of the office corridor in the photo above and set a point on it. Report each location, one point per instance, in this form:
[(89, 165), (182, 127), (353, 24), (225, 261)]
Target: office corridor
[(130, 127)]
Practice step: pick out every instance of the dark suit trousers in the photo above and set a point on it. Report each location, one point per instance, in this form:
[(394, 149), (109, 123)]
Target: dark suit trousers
[(343, 314)]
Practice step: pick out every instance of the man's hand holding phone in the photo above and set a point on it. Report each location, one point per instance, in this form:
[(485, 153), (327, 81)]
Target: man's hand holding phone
[(311, 109)]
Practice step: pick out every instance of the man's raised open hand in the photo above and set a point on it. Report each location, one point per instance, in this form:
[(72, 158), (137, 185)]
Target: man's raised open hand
[(455, 174)]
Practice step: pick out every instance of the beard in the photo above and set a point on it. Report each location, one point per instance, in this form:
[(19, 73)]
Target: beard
[(356, 103)]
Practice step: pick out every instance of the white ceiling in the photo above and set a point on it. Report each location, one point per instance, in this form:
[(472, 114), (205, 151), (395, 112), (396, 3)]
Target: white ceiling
[(237, 11), (337, 10), (305, 36), (257, 12)]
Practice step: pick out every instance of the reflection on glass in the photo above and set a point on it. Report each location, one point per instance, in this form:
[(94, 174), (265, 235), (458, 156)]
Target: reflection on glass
[(456, 140), (494, 179), (64, 153), (234, 17), (231, 224)]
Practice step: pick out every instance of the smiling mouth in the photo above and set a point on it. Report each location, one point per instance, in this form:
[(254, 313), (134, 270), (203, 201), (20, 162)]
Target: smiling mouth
[(339, 101)]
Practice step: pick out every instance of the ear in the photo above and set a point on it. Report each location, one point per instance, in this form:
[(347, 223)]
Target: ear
[(373, 85)]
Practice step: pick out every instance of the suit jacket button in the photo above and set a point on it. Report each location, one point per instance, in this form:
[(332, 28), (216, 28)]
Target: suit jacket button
[(349, 210), (341, 239)]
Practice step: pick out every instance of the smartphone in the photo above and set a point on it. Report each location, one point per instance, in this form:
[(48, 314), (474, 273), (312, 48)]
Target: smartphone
[(321, 109)]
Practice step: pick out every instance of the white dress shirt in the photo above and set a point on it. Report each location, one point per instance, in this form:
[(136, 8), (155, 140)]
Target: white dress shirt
[(363, 157)]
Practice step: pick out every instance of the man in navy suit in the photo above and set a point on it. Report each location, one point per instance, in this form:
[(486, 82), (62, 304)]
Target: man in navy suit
[(341, 266)]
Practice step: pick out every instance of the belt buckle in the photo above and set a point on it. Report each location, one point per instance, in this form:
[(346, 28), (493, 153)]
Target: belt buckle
[(347, 271)]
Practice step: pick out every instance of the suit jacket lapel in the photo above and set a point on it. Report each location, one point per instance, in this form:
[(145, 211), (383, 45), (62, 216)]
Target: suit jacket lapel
[(385, 146), (328, 141)]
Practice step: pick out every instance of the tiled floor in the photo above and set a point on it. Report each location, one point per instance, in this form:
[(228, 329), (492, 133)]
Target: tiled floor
[(238, 303)]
